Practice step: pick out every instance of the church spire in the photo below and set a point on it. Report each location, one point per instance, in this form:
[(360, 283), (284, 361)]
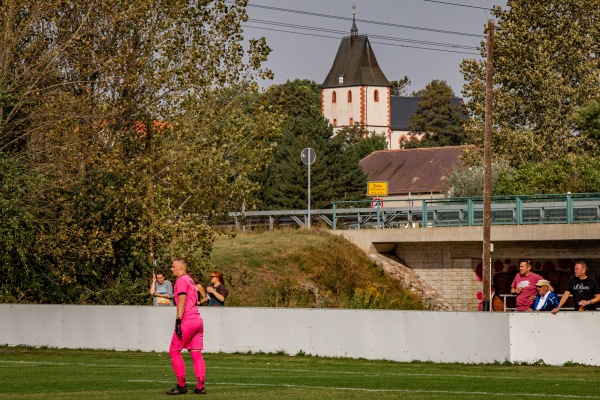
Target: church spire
[(354, 29)]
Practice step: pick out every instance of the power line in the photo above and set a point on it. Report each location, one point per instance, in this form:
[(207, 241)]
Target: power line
[(388, 38), (457, 4), (382, 43), (362, 20)]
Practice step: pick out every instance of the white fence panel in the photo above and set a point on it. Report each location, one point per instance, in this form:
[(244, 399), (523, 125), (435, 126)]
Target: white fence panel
[(555, 339), (371, 334), (466, 337)]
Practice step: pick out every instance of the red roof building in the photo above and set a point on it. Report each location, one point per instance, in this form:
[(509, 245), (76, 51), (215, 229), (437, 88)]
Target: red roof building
[(418, 173)]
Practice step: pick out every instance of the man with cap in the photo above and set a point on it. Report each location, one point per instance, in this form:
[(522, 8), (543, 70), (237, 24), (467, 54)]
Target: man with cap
[(545, 300)]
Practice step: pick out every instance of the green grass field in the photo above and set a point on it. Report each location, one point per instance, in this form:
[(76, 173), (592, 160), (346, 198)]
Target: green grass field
[(27, 373)]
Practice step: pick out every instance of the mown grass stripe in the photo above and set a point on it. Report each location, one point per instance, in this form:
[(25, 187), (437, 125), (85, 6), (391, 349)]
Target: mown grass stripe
[(449, 392), (312, 371)]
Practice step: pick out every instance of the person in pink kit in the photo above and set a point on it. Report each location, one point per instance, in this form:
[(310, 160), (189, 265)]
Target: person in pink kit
[(524, 286), (189, 330)]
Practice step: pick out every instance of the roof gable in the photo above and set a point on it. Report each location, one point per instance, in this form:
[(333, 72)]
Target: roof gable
[(356, 62), (421, 170)]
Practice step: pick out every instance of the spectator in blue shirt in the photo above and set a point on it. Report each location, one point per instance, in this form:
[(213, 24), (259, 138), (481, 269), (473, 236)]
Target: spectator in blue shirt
[(545, 300)]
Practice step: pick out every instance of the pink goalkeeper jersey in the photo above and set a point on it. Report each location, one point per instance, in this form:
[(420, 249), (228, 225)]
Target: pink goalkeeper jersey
[(185, 284)]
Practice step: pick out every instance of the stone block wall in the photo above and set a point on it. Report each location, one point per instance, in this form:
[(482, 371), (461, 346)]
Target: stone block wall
[(454, 279)]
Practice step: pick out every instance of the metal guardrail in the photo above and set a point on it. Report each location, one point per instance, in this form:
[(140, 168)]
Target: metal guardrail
[(410, 212), (508, 210)]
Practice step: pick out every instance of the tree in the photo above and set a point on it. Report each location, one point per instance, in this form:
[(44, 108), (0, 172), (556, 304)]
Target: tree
[(352, 144), (438, 118), (587, 122), (137, 120), (545, 68), (571, 173), (335, 175), (467, 181), (399, 87)]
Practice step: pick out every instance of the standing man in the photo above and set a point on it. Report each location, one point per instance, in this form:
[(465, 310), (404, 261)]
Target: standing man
[(161, 289), (189, 330), (524, 286), (585, 290)]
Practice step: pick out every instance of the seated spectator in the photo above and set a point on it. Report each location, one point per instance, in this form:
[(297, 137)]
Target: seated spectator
[(545, 300)]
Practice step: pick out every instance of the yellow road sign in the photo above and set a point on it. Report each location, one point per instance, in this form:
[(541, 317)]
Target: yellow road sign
[(377, 188)]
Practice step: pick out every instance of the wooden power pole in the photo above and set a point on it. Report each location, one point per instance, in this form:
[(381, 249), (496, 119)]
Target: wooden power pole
[(487, 179)]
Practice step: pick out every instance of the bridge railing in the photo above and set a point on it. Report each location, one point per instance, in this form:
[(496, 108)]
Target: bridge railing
[(514, 210), (468, 211), (411, 212)]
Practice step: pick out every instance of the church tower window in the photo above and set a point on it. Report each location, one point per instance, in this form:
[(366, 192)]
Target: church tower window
[(349, 96), (376, 96), (333, 97)]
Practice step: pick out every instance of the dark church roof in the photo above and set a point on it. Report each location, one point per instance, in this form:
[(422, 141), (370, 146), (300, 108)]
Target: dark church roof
[(356, 62), (401, 108), (421, 170)]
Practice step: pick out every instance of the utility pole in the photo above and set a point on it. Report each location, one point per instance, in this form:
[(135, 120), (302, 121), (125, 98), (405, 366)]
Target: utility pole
[(487, 178)]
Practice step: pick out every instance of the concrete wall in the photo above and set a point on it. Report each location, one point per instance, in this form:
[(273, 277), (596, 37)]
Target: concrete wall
[(372, 334)]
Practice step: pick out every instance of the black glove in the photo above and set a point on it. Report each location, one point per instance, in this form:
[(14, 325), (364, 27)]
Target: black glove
[(178, 328)]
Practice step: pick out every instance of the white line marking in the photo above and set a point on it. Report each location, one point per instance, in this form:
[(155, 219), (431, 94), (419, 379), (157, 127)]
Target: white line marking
[(459, 392)]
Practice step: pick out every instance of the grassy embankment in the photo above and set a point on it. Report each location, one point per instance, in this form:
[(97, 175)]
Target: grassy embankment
[(300, 268)]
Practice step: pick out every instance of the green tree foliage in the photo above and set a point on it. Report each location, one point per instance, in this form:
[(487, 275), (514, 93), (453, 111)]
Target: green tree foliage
[(467, 181), (545, 69), (336, 173), (587, 122), (351, 144), (135, 125), (399, 87), (575, 174), (441, 121)]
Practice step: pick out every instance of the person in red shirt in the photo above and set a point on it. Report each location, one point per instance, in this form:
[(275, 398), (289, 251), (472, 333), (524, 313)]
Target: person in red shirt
[(524, 286)]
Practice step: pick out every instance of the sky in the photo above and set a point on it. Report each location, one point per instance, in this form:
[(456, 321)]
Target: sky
[(305, 34)]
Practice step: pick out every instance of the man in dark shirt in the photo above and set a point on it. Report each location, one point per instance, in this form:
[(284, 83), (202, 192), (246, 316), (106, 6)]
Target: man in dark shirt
[(585, 290)]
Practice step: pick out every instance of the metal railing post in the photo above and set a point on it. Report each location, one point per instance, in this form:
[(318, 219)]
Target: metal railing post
[(519, 210), (424, 211), (570, 216), (334, 217), (470, 212)]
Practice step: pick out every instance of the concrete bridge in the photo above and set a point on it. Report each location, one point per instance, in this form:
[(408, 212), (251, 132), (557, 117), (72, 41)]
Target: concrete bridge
[(448, 259)]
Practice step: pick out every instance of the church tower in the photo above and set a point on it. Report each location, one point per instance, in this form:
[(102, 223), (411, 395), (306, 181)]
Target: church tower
[(356, 90)]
